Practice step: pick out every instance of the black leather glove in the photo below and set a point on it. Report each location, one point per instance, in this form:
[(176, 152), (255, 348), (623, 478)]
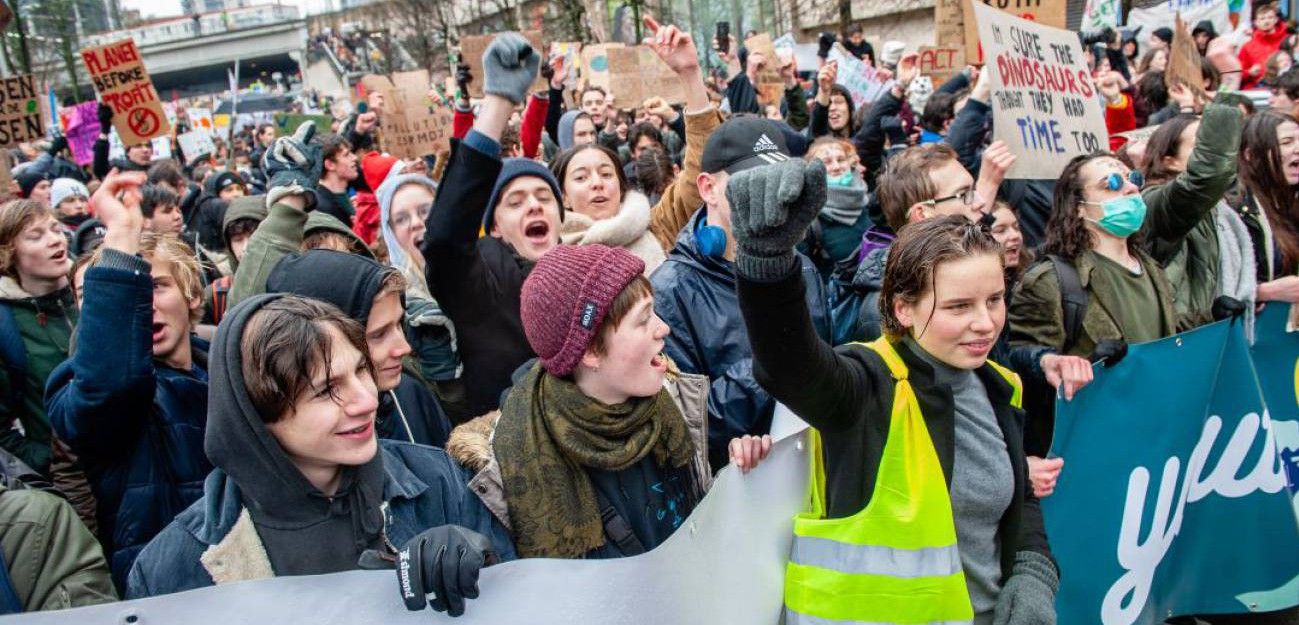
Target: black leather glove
[(823, 44), (59, 144), (443, 561), (1226, 307), (105, 115), (1109, 350), (771, 208), (292, 166)]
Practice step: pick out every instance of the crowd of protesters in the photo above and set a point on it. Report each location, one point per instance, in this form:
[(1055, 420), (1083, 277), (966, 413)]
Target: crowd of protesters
[(546, 341)]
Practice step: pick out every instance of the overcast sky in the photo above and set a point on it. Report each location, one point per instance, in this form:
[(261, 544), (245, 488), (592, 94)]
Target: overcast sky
[(171, 8)]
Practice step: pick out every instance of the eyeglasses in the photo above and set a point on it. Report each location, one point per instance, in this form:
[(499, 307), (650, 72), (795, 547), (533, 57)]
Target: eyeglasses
[(966, 196), (1114, 181)]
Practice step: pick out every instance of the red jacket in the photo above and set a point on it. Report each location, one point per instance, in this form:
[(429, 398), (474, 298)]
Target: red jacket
[(534, 122), (1255, 53)]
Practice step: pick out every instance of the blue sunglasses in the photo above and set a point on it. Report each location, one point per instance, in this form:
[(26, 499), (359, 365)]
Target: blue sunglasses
[(1114, 181)]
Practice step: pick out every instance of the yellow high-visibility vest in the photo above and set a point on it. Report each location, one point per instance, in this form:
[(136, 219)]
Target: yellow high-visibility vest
[(897, 560)]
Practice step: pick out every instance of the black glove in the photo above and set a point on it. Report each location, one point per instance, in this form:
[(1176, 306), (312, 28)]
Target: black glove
[(463, 77), (547, 71), (1109, 350), (771, 208), (59, 144), (105, 114), (443, 561), (823, 44), (292, 166), (1226, 307)]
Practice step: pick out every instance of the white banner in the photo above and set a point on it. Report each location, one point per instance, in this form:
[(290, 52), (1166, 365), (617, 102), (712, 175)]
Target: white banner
[(1192, 11), (725, 564)]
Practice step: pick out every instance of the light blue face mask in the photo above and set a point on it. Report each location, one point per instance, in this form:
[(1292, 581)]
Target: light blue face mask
[(839, 181), (1122, 216)]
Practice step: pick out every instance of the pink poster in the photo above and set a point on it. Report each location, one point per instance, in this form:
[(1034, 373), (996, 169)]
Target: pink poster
[(81, 126)]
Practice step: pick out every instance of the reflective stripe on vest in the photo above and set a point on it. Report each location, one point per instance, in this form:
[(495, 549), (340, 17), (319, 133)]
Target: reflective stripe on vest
[(897, 560)]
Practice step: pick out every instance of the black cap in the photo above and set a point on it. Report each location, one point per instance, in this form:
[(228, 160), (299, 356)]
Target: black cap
[(744, 143)]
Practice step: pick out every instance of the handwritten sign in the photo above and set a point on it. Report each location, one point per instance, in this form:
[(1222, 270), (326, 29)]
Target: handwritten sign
[(201, 119), (941, 62), (636, 74), (1047, 12), (472, 48), (1098, 14), (1044, 102), (122, 83), (20, 111), (81, 127), (414, 127), (770, 87), (858, 77), (595, 64), (949, 23), (195, 143)]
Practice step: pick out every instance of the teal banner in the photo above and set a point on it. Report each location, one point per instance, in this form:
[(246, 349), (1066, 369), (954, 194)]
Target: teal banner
[(1173, 496)]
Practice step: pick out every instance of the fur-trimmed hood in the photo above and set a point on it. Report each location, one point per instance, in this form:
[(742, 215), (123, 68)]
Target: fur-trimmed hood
[(629, 229)]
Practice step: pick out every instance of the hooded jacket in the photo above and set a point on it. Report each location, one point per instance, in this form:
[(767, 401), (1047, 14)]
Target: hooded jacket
[(629, 228), (45, 325), (216, 295), (209, 217), (53, 561), (694, 294), (257, 507), (1254, 54), (350, 282), (136, 424)]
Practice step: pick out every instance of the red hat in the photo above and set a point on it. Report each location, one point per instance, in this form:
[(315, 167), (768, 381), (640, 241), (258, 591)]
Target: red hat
[(375, 168), (566, 297)]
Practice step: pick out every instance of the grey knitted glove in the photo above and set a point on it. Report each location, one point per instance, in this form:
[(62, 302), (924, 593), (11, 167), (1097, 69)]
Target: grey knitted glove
[(292, 166), (771, 208), (509, 67), (1028, 596)]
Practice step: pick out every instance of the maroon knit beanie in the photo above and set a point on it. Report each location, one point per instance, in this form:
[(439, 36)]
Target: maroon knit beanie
[(567, 295)]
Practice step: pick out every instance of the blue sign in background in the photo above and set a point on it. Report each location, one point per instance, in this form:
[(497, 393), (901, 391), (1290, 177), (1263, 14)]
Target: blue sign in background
[(1137, 538)]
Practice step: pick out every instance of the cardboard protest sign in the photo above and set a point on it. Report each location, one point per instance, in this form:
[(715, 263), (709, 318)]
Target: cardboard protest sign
[(595, 64), (949, 23), (1046, 12), (471, 53), (1044, 102), (941, 62), (195, 143), (636, 74), (413, 126), (81, 127), (122, 83), (20, 111), (1184, 61), (770, 87), (858, 77)]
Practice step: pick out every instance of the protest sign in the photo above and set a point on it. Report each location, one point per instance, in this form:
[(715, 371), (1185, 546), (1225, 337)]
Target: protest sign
[(941, 62), (287, 123), (1173, 457), (636, 74), (81, 127), (122, 83), (949, 23), (472, 48), (1218, 12), (857, 76), (20, 111), (1046, 12), (195, 143), (724, 564), (1044, 102), (415, 127), (770, 87), (1184, 61), (1098, 14), (5, 176), (201, 119), (595, 64), (571, 51)]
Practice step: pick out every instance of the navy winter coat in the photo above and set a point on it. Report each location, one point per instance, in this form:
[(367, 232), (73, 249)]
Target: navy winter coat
[(695, 296), (136, 425)]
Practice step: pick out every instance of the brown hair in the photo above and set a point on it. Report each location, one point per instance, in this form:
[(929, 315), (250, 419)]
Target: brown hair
[(185, 269), (324, 238), (916, 254), (16, 216), (636, 290), (285, 344), (1165, 142), (1067, 234), (560, 166), (1263, 174), (905, 180), (1026, 254)]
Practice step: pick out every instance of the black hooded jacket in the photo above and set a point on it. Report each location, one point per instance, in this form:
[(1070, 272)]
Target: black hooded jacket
[(407, 413)]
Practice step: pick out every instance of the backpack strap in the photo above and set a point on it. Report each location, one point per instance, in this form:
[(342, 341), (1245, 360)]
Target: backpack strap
[(617, 529), (1073, 299), (221, 297), (14, 354)]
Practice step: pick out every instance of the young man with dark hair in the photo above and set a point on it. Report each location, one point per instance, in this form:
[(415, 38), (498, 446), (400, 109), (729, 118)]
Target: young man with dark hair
[(161, 210), (1285, 93), (131, 401), (338, 170)]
